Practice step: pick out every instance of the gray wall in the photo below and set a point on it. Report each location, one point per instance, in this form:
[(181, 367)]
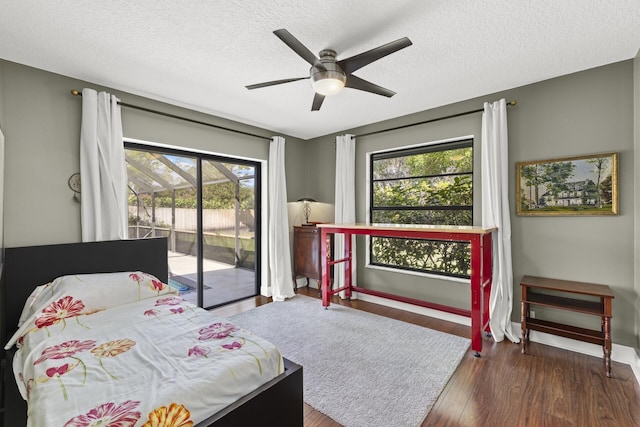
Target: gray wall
[(583, 113), (2, 84), (636, 131), (41, 122)]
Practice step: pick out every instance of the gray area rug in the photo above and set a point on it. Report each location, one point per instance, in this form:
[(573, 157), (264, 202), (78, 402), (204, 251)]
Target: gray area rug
[(360, 369)]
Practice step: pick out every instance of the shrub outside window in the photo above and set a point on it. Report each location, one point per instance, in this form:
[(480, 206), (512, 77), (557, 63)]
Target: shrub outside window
[(429, 184)]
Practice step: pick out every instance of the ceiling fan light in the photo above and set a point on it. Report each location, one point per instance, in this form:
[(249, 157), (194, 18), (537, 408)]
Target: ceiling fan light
[(328, 82), (328, 86)]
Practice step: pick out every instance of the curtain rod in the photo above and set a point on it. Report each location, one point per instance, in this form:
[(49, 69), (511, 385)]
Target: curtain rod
[(509, 104), (75, 92)]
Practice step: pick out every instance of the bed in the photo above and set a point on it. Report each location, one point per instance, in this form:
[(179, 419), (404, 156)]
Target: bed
[(276, 401)]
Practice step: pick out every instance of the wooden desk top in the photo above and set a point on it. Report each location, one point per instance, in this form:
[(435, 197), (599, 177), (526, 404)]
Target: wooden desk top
[(567, 286), (467, 229)]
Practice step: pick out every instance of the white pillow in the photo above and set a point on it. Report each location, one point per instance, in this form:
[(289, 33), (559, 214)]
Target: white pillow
[(89, 292)]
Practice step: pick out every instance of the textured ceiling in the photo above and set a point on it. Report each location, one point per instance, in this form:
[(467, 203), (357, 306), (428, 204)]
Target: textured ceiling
[(200, 54)]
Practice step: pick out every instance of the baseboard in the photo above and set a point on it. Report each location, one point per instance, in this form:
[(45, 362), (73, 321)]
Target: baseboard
[(619, 353), (450, 317)]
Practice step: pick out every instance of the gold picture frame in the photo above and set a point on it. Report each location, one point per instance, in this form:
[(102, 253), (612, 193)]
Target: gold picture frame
[(580, 185)]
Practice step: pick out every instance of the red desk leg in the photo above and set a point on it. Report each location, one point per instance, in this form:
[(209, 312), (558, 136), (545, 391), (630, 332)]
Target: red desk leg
[(348, 265), (476, 295), (324, 241), (487, 278)]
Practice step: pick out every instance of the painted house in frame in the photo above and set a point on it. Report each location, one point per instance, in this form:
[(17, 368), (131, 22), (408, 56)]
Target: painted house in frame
[(578, 193)]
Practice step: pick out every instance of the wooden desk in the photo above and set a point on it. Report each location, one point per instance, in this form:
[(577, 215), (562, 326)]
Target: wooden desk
[(531, 286), (478, 237)]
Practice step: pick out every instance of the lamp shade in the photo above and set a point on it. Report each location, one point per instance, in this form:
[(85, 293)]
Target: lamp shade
[(306, 199)]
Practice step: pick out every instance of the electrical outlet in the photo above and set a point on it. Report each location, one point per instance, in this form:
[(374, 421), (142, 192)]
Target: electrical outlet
[(532, 314)]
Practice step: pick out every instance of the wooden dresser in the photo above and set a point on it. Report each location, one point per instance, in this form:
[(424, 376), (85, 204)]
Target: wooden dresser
[(306, 254)]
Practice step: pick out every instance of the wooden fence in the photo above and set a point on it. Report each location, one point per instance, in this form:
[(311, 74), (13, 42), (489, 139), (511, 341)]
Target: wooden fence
[(212, 219)]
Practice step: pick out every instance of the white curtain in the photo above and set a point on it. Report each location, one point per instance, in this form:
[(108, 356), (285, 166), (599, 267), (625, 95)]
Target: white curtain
[(495, 213), (1, 195), (280, 275), (103, 171), (345, 204)]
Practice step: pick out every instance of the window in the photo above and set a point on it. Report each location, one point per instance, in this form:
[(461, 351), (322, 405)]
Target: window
[(429, 184), (208, 208)]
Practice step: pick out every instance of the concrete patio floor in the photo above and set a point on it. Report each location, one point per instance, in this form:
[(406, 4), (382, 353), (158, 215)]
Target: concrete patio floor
[(222, 282)]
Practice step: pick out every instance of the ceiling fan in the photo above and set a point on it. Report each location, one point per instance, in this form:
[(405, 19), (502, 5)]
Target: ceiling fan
[(328, 75)]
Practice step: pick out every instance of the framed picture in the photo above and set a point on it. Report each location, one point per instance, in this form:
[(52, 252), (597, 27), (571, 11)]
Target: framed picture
[(582, 185)]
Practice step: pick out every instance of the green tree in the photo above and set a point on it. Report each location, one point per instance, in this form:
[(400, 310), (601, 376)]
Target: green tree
[(534, 177), (606, 190), (434, 179), (440, 162), (599, 164), (556, 175)]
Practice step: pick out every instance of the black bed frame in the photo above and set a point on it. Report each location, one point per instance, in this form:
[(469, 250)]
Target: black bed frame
[(278, 402)]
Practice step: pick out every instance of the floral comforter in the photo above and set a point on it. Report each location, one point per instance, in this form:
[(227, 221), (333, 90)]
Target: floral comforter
[(154, 361)]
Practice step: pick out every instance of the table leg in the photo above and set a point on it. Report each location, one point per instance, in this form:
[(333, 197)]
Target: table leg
[(607, 345), (348, 273), (524, 312), (476, 296), (486, 280), (324, 241)]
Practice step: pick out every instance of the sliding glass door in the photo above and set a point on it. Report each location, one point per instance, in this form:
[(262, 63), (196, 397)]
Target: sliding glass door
[(207, 207)]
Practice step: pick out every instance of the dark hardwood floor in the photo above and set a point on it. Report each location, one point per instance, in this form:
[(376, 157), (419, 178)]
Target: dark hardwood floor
[(546, 387)]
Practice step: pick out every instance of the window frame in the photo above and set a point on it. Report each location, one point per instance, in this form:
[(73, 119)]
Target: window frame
[(422, 148), (201, 156)]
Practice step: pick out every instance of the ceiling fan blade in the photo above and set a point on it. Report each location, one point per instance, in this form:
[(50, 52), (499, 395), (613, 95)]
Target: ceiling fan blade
[(298, 47), (353, 63), (274, 82), (317, 102), (357, 83)]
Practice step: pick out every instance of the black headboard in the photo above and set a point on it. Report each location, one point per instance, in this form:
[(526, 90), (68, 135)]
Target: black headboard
[(30, 266)]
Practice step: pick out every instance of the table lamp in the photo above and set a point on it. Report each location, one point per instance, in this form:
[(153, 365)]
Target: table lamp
[(306, 209)]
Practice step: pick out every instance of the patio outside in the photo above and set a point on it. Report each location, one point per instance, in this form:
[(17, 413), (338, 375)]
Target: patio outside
[(199, 203), (221, 282)]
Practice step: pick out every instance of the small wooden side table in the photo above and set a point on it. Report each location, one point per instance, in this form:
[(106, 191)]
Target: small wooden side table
[(531, 287)]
